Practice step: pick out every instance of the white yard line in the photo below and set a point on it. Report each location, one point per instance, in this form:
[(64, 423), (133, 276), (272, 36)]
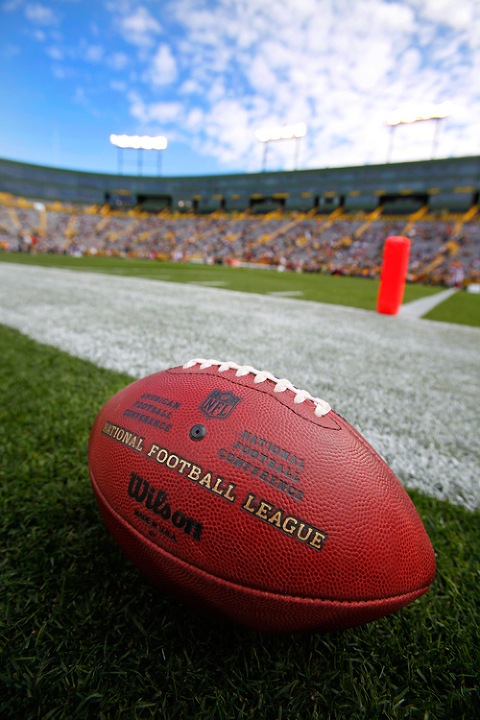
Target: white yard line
[(412, 387), (418, 308), (209, 283), (286, 293)]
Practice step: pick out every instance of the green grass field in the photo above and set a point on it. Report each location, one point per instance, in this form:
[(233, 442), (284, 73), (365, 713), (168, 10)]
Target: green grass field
[(354, 292), (463, 308), (83, 635)]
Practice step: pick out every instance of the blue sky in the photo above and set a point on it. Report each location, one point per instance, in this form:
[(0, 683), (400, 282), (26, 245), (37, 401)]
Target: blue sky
[(208, 74)]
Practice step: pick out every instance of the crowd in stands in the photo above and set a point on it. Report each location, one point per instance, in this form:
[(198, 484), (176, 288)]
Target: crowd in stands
[(445, 250)]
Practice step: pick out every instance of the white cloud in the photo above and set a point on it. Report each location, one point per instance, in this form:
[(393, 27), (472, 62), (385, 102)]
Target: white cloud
[(162, 113), (372, 67), (195, 119), (55, 53), (59, 73), (163, 69), (80, 97), (458, 15), (11, 5), (118, 61), (137, 107), (118, 85), (94, 53), (165, 112), (140, 27), (261, 75), (190, 87), (40, 14), (217, 90), (340, 66)]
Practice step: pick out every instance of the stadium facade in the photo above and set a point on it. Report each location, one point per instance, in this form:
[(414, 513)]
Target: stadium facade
[(451, 184)]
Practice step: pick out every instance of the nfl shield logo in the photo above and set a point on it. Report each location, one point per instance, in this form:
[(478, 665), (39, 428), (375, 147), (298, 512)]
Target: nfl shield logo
[(219, 404)]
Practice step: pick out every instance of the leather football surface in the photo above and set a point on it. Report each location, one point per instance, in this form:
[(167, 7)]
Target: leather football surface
[(255, 502)]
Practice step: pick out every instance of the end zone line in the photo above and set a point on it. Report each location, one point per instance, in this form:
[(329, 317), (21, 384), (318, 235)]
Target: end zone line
[(418, 308)]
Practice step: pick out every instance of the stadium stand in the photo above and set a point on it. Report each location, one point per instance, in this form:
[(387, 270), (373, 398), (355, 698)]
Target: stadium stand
[(446, 184), (445, 248), (328, 220)]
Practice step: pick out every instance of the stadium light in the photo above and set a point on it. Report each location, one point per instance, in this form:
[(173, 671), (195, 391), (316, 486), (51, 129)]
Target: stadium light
[(139, 143), (287, 132), (281, 133), (426, 113), (430, 112)]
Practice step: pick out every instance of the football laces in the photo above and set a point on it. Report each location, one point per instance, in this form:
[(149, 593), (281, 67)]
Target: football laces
[(281, 384)]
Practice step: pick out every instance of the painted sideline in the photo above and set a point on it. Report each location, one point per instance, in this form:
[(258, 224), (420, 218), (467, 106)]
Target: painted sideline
[(420, 307), (410, 386)]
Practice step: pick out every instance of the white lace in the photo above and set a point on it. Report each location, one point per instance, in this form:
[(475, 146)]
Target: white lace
[(281, 384)]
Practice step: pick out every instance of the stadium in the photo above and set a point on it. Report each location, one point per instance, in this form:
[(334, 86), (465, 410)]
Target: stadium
[(331, 221), (108, 277)]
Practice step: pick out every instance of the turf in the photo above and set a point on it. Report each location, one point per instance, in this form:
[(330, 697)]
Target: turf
[(463, 308), (350, 291), (83, 635)]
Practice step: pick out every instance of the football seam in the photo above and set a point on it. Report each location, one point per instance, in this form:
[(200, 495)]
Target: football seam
[(316, 423), (246, 588)]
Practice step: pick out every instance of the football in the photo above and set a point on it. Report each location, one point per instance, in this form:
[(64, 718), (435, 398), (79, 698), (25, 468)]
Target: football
[(247, 498)]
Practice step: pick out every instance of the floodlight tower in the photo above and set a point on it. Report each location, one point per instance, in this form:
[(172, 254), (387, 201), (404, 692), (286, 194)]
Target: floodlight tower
[(432, 113), (139, 143), (287, 132)]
